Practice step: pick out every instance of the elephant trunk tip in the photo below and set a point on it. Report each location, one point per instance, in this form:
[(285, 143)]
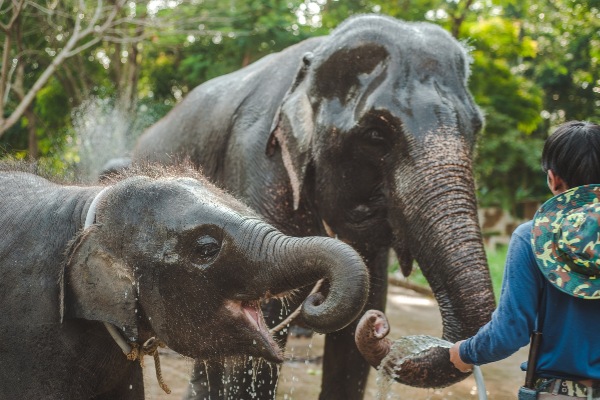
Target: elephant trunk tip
[(318, 311), (370, 337), (418, 361)]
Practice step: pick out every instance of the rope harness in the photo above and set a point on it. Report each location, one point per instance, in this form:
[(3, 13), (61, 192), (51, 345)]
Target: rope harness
[(149, 348), (132, 350)]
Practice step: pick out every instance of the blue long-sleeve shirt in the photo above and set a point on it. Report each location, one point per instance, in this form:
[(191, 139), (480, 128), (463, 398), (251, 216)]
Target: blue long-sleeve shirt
[(571, 330)]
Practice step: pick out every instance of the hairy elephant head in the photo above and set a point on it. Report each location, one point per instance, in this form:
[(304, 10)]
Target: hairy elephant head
[(380, 124), (175, 258)]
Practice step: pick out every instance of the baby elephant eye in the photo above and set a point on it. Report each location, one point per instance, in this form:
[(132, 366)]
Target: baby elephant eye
[(207, 247), (375, 135)]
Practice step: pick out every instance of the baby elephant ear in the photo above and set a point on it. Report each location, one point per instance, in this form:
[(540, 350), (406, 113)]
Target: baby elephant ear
[(99, 287), (292, 129)]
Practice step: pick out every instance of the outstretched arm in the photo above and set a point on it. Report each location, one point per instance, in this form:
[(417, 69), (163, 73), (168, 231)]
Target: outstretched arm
[(457, 361)]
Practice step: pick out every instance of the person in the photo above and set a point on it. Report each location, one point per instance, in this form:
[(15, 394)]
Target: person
[(553, 269)]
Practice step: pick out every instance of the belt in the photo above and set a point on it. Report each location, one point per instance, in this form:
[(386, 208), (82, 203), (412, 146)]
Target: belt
[(588, 388)]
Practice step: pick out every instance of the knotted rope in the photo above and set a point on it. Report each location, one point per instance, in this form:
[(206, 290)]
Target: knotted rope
[(149, 348)]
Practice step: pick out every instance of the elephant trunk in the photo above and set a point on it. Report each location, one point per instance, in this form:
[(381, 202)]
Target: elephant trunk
[(288, 263), (370, 337), (439, 208)]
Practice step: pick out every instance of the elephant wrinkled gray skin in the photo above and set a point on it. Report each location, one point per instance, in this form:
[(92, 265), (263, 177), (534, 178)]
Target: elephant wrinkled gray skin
[(169, 256), (367, 134)]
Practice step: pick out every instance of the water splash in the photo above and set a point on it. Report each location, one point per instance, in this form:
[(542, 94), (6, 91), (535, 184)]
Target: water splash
[(105, 131), (403, 349), (406, 348)]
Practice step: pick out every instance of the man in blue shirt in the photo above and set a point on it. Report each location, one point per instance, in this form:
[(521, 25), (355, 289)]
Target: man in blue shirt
[(557, 253)]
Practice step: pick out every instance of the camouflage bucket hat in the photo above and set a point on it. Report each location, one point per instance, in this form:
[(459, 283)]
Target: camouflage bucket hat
[(566, 241)]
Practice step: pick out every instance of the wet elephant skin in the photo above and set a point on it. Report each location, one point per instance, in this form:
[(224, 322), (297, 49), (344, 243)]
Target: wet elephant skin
[(168, 256), (366, 134)]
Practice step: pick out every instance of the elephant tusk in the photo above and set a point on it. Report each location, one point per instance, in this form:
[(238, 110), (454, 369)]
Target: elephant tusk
[(328, 230), (90, 217)]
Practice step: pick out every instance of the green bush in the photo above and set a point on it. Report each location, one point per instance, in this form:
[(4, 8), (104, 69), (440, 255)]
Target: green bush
[(496, 259)]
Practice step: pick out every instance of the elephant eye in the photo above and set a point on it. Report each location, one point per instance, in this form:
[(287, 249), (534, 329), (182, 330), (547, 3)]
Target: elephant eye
[(206, 247), (376, 136)]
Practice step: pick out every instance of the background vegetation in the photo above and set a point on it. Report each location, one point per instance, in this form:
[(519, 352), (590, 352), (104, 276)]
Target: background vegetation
[(81, 79)]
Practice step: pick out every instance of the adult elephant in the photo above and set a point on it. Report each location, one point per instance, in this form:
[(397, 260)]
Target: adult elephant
[(90, 273), (367, 134)]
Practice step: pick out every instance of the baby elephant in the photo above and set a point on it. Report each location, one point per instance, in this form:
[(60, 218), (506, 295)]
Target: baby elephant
[(163, 258)]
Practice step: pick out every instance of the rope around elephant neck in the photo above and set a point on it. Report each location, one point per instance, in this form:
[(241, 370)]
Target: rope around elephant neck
[(150, 348), (132, 350)]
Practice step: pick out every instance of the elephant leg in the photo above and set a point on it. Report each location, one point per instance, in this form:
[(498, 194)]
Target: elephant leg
[(130, 387), (345, 371), (206, 382)]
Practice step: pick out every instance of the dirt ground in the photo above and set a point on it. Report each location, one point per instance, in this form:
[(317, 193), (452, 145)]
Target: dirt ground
[(409, 313)]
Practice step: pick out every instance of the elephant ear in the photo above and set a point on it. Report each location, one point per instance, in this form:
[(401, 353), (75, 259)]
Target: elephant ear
[(349, 73), (339, 74), (293, 129), (97, 286)]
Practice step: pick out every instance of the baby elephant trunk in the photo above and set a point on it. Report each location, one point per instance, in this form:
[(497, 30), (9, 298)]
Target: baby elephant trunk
[(289, 263)]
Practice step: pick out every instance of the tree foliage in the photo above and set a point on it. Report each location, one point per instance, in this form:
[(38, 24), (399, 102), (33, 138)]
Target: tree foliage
[(535, 65)]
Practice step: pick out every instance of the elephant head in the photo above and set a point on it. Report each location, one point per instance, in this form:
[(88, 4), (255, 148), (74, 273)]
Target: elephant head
[(380, 125), (175, 258)]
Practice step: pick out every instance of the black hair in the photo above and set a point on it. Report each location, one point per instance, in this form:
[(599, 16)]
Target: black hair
[(573, 153)]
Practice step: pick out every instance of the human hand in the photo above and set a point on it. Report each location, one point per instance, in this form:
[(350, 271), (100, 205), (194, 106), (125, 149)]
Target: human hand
[(457, 361)]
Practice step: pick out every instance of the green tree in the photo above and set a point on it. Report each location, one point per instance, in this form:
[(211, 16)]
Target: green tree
[(535, 64), (69, 29), (507, 164), (567, 66)]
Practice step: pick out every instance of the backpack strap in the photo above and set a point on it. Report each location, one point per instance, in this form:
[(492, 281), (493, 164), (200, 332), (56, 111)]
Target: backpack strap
[(536, 339)]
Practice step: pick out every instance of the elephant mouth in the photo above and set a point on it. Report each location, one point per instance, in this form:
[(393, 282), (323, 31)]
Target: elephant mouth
[(252, 312), (250, 315)]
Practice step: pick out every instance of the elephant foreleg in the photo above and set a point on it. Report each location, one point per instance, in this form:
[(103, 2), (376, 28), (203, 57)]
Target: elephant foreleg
[(130, 387), (206, 382), (345, 370)]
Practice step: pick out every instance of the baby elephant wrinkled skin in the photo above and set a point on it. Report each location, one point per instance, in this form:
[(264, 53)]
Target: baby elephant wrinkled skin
[(367, 134), (166, 255)]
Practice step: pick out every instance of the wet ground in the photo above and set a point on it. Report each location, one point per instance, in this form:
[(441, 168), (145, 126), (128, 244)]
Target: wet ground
[(409, 313)]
